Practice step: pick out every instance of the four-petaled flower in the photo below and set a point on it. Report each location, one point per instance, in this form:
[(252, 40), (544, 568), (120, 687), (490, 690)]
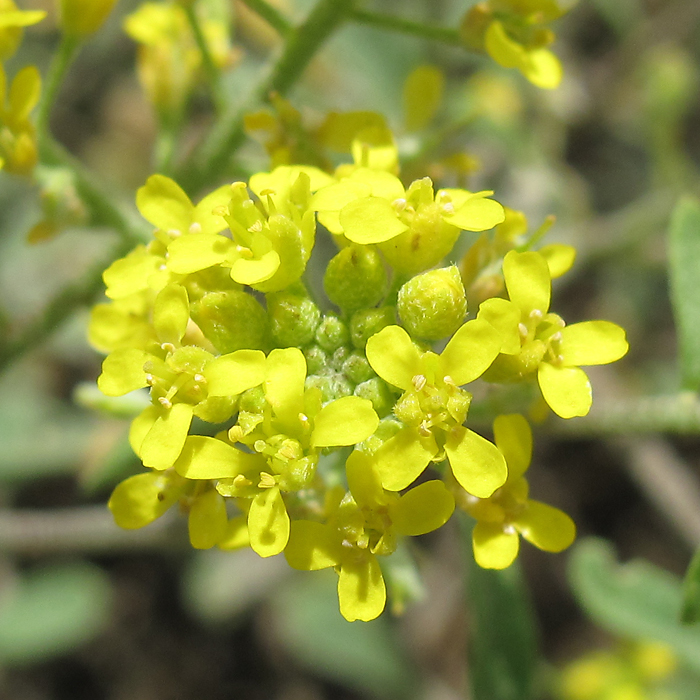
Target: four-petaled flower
[(509, 512), (535, 341), (433, 408)]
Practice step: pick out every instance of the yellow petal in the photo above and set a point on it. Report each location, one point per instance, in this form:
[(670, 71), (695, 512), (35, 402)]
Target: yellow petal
[(236, 534), (422, 95), (513, 438), (122, 372), (402, 459), (527, 281), (208, 458), (471, 351), (203, 212), (140, 499), (24, 93), (494, 548), (142, 424), (361, 589), (370, 220), (477, 214), (235, 373), (197, 251), (566, 390), (543, 68), (254, 271), (284, 382), (268, 523), (504, 316), (345, 421), (129, 275), (163, 203), (207, 520), (592, 343), (336, 196), (164, 441), (171, 313), (560, 258), (312, 546), (363, 480), (477, 464), (423, 509), (394, 357), (502, 48), (546, 527)]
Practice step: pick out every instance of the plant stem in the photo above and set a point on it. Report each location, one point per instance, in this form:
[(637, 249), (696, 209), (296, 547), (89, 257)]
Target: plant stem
[(60, 63), (213, 156), (446, 35), (270, 14), (210, 68)]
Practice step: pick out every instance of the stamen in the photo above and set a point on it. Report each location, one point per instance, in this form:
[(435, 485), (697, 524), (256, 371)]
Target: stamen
[(196, 227), (165, 402), (419, 381)]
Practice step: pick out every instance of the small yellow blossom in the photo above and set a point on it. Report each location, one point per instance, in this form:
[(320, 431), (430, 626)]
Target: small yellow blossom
[(12, 23), (81, 18), (433, 408), (18, 150), (537, 342), (509, 512)]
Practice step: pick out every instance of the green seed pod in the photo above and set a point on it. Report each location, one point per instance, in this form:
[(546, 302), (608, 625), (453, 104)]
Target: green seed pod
[(231, 320), (433, 305), (293, 319), (355, 278), (332, 333), (364, 324)]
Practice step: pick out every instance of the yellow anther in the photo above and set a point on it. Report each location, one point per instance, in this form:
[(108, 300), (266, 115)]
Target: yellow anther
[(236, 433), (256, 227), (196, 227), (240, 481), (536, 314), (522, 329), (267, 481), (174, 232), (200, 378), (418, 382), (165, 402), (168, 347)]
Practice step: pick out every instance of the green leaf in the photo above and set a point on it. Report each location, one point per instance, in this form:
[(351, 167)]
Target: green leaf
[(684, 272), (690, 610), (51, 611), (636, 599), (503, 637)]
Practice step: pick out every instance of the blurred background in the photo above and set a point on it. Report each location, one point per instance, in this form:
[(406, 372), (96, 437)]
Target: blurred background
[(91, 612)]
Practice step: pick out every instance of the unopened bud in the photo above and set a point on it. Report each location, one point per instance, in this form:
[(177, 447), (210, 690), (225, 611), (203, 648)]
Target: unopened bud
[(355, 278)]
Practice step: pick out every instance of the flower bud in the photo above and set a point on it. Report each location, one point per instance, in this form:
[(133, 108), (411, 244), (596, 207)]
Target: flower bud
[(231, 320), (332, 386), (433, 305), (332, 333), (293, 319), (356, 368), (376, 391), (316, 359), (355, 278), (364, 324), (82, 17)]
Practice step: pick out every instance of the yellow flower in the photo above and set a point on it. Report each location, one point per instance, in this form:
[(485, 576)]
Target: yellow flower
[(364, 524), (18, 151), (509, 512), (12, 22), (538, 342), (284, 440), (433, 408), (414, 228), (80, 18)]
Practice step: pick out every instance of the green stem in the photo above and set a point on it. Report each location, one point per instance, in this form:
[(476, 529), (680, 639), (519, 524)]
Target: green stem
[(446, 35), (210, 68), (60, 308), (678, 414), (60, 63), (166, 142), (213, 156), (270, 14)]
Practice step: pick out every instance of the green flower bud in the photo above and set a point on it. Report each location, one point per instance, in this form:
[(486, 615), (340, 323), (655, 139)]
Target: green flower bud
[(356, 368), (433, 305), (252, 400), (332, 333), (231, 320), (332, 386), (364, 324), (376, 390), (317, 361), (338, 358), (355, 278), (293, 319)]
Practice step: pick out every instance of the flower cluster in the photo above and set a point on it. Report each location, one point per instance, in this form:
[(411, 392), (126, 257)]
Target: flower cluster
[(328, 435)]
